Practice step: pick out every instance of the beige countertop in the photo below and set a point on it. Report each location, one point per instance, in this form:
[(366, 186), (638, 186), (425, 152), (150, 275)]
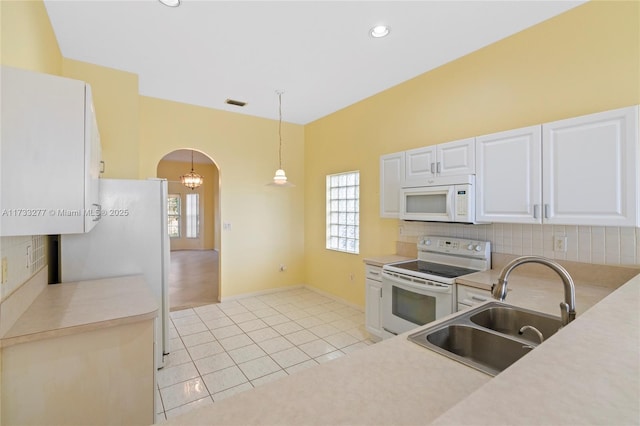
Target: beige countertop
[(383, 260), (537, 287), (588, 372), (69, 308)]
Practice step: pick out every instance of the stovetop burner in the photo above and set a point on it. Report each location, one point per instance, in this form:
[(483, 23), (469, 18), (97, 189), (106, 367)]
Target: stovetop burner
[(443, 259), (438, 269)]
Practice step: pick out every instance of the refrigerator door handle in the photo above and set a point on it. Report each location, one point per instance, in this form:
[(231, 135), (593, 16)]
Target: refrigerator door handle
[(99, 209)]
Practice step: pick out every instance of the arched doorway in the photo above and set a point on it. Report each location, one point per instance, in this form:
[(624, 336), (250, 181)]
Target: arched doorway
[(194, 229)]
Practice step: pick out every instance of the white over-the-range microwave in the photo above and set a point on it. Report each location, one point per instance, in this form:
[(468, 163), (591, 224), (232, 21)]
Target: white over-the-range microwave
[(441, 199)]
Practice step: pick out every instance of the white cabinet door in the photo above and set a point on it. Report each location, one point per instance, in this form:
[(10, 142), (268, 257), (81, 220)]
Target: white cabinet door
[(590, 169), (446, 159), (508, 185), (45, 157), (373, 317), (420, 165), (456, 158), (391, 174)]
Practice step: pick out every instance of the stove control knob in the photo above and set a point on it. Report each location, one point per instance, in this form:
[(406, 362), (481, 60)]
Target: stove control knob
[(426, 242), (478, 247), (470, 247)]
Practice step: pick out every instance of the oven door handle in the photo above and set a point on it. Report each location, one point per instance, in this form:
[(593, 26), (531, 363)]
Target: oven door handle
[(411, 283)]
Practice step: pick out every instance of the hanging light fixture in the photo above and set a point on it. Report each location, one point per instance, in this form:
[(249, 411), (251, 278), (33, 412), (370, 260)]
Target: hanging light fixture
[(280, 178), (191, 180)]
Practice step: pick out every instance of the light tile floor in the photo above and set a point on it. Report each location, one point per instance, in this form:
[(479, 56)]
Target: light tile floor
[(221, 349)]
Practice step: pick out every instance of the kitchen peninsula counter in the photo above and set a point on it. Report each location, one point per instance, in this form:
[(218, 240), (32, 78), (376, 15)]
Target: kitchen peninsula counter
[(69, 308), (82, 353), (588, 372)]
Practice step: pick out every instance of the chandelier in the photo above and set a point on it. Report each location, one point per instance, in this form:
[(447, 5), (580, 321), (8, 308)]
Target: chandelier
[(191, 180)]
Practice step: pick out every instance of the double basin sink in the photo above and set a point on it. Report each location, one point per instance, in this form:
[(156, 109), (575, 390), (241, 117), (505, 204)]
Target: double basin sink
[(490, 337)]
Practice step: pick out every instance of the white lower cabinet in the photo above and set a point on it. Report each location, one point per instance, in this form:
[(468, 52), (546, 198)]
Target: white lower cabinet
[(373, 300), (470, 296)]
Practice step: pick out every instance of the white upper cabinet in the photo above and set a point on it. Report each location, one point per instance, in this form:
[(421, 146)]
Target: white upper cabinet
[(508, 186), (578, 171), (456, 158), (590, 169), (391, 173), (50, 155), (447, 159)]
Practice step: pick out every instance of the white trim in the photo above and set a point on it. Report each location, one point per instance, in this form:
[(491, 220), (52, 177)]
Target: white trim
[(294, 287), (260, 293)]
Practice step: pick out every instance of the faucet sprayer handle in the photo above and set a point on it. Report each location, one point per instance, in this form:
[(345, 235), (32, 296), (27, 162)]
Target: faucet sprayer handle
[(566, 315)]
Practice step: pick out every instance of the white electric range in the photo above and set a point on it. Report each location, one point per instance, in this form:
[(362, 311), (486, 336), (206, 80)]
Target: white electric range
[(419, 291)]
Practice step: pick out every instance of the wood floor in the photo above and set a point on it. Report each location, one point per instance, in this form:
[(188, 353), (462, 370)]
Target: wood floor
[(193, 278)]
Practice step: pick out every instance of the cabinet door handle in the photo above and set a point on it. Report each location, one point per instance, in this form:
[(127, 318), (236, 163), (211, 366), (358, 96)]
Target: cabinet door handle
[(374, 273), (102, 166), (433, 168), (546, 211), (536, 207), (439, 168), (380, 292)]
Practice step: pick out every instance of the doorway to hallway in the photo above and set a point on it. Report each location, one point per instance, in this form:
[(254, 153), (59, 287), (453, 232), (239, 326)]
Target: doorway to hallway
[(193, 279)]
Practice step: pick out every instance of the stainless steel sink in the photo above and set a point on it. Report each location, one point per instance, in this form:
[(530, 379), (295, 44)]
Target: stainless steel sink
[(510, 320), (478, 348), (487, 337)]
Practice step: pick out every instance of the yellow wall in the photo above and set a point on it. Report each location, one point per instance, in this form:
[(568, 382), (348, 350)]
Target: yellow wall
[(583, 61), (27, 38), (172, 170), (267, 223), (115, 98)]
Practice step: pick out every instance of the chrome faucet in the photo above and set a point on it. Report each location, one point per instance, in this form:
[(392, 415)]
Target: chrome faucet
[(567, 308)]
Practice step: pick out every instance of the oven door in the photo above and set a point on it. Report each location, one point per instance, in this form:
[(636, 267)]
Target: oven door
[(409, 302)]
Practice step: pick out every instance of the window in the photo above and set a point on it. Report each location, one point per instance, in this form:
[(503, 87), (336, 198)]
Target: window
[(343, 212), (193, 215), (173, 210)]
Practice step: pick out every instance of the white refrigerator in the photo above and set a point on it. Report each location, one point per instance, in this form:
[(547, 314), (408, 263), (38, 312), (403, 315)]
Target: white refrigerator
[(130, 238)]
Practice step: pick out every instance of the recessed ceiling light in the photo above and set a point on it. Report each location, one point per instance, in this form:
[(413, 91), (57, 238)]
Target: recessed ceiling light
[(379, 31), (170, 3)]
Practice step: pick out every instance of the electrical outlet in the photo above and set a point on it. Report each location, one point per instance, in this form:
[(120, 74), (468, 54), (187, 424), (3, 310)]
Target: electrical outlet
[(560, 243), (5, 271)]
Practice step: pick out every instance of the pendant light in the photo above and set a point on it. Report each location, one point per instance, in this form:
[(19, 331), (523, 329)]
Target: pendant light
[(280, 178), (191, 180)]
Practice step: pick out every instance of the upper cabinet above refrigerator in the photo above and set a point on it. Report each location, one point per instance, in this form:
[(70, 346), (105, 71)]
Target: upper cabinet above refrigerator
[(50, 155)]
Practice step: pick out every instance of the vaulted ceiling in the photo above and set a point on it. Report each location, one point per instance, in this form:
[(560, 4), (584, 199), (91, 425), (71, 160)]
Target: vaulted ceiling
[(320, 53)]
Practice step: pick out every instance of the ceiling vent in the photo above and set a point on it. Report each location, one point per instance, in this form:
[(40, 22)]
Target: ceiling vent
[(235, 103)]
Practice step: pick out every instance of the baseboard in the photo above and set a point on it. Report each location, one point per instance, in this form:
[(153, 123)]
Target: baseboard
[(294, 287), (259, 293)]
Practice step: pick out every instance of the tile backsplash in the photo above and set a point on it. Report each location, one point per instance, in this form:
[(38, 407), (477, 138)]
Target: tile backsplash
[(24, 256), (587, 244)]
